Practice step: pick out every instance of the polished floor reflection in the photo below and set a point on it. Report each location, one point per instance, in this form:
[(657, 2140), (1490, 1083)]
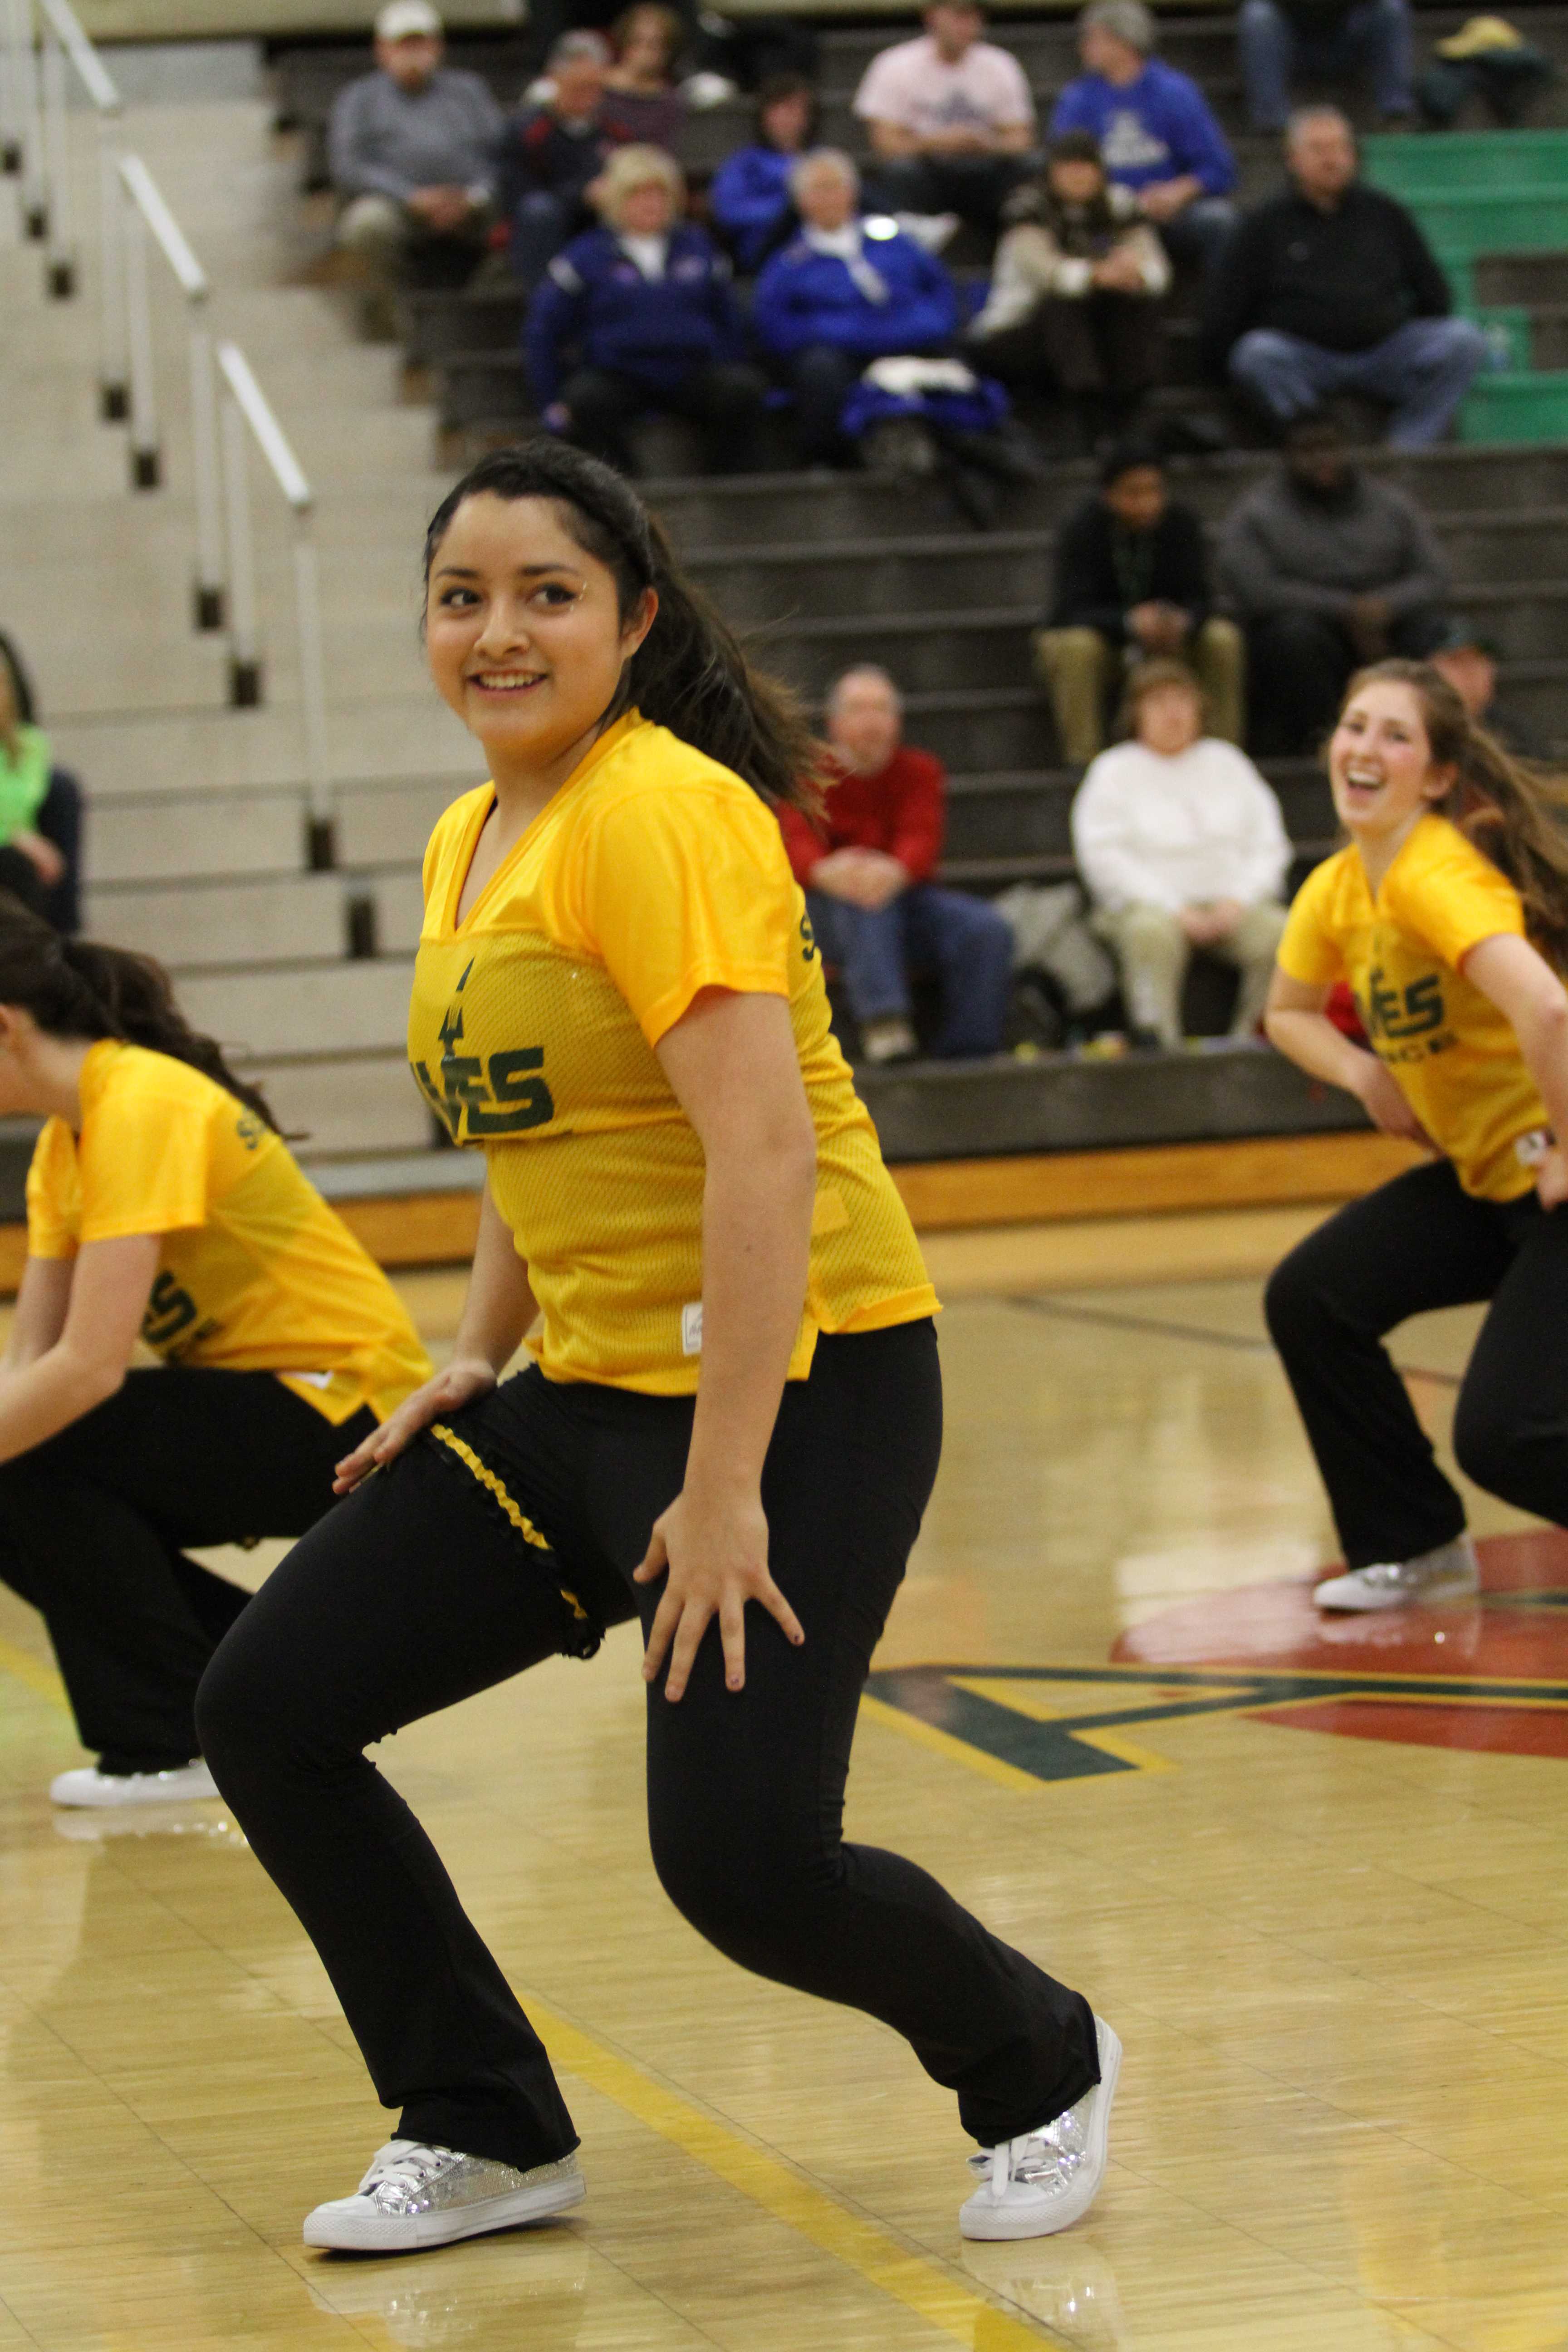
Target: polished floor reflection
[(1316, 1879)]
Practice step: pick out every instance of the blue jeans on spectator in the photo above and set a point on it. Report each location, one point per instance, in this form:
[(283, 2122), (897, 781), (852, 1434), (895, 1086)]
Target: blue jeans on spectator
[(963, 940), (1423, 370), (1375, 36), (1194, 237)]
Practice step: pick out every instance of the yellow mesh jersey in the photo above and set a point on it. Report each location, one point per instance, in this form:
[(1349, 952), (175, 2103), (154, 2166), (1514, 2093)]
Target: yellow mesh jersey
[(1455, 1057), (652, 873), (255, 1273)]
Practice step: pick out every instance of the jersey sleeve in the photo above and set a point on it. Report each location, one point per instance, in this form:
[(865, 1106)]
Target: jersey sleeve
[(1454, 900), (51, 1230), (687, 887), (1309, 951), (143, 1162)]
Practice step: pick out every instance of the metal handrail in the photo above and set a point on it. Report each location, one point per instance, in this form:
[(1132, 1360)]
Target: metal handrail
[(131, 208), (246, 404)]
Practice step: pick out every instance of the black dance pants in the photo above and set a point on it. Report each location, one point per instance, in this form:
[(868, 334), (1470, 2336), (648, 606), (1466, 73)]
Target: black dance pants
[(419, 1590), (1419, 1243), (93, 1523)]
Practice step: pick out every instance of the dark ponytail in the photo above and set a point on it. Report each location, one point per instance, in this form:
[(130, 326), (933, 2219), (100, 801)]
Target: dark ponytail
[(78, 988), (691, 673), (1515, 811)]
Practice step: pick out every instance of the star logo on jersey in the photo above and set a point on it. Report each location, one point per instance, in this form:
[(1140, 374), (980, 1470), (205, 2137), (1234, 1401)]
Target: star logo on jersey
[(1489, 1675)]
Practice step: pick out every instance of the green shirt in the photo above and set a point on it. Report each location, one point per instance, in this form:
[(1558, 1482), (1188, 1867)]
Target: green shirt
[(24, 781)]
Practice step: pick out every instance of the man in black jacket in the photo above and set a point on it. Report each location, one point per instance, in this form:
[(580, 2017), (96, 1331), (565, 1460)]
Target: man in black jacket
[(1132, 581), (1329, 288)]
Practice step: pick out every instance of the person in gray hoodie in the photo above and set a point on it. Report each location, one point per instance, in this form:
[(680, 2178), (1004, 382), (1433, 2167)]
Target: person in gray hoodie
[(1327, 569)]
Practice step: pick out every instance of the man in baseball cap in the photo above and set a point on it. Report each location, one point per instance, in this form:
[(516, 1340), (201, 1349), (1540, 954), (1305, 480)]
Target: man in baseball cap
[(413, 149)]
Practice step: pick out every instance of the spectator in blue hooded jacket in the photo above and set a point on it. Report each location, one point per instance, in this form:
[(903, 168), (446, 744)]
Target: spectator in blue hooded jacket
[(1155, 133), (749, 195), (845, 292), (641, 315)]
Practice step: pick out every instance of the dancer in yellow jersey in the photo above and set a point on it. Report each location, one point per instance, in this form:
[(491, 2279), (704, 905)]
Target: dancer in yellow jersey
[(163, 1203), (732, 1418), (1448, 915)]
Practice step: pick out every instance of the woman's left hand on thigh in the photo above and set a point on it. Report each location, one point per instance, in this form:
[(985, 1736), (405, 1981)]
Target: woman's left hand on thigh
[(714, 1554)]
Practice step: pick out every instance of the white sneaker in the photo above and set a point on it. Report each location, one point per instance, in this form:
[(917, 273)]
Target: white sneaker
[(88, 1786), (417, 2195), (1448, 1573), (1032, 2187)]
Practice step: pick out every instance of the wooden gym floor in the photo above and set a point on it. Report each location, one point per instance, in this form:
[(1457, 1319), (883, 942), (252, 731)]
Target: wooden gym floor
[(1315, 1879)]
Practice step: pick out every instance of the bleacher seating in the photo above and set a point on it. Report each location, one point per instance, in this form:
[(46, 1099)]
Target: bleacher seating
[(198, 818)]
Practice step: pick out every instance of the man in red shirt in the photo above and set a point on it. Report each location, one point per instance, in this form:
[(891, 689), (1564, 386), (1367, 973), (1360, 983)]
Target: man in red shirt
[(865, 872)]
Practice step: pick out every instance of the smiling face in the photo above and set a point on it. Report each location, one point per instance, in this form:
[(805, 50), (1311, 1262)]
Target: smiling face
[(523, 632), (1381, 767)]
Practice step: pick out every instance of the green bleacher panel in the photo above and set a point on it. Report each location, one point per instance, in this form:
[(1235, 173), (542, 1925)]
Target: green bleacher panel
[(1516, 407)]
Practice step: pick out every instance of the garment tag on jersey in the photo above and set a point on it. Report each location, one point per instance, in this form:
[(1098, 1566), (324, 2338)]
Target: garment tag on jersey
[(1531, 1149), (691, 1328), (311, 1380)]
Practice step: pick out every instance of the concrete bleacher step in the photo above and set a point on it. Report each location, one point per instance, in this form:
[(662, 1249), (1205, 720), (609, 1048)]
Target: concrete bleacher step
[(237, 918), (346, 1105)]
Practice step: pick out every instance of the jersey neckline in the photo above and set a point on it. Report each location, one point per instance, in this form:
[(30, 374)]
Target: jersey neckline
[(463, 863)]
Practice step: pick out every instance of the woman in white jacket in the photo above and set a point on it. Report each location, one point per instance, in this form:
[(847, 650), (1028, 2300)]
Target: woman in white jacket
[(1074, 300), (1182, 845)]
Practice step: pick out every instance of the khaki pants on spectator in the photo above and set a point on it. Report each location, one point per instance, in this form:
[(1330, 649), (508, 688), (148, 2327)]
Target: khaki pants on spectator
[(1154, 952), (378, 229), (1080, 669)]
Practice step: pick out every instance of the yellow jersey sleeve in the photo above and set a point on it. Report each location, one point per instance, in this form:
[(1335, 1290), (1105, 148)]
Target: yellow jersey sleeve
[(143, 1158), (53, 1202), (685, 886), (1309, 951), (1450, 896)]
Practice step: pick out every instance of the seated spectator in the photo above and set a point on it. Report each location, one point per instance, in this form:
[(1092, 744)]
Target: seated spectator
[(1181, 845), (412, 153), (646, 39), (749, 197), (865, 869), (950, 118), (845, 292), (1324, 40), (1074, 306), (552, 153), (41, 807), (1133, 582), (1329, 568), (1468, 660), (1329, 287), (641, 315), (1156, 132)]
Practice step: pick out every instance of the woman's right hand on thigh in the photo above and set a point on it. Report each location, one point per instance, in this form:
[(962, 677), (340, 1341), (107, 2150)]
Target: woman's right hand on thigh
[(463, 1380)]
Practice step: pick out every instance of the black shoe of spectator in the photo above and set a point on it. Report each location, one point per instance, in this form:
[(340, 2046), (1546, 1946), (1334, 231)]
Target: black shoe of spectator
[(1034, 1016), (901, 445), (976, 495), (1009, 455), (1192, 433), (1144, 1041)]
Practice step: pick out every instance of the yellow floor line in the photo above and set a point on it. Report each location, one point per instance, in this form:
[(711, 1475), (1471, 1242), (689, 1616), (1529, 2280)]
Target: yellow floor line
[(32, 1670), (943, 1743), (921, 2285)]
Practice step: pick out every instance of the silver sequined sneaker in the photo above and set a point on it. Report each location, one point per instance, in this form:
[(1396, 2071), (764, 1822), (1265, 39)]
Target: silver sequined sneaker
[(416, 2195), (1448, 1573), (1032, 2187)]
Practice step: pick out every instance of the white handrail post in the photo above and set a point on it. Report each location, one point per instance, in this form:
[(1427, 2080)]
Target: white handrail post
[(113, 361), (60, 273), (10, 95), (24, 70), (208, 598), (146, 463), (321, 835), (244, 658)]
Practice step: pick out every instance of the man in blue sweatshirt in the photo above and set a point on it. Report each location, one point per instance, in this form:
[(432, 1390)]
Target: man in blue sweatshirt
[(1156, 134)]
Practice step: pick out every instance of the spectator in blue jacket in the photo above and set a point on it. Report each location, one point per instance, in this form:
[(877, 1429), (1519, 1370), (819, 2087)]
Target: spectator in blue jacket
[(640, 315), (550, 154), (1154, 129), (749, 197), (845, 292)]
